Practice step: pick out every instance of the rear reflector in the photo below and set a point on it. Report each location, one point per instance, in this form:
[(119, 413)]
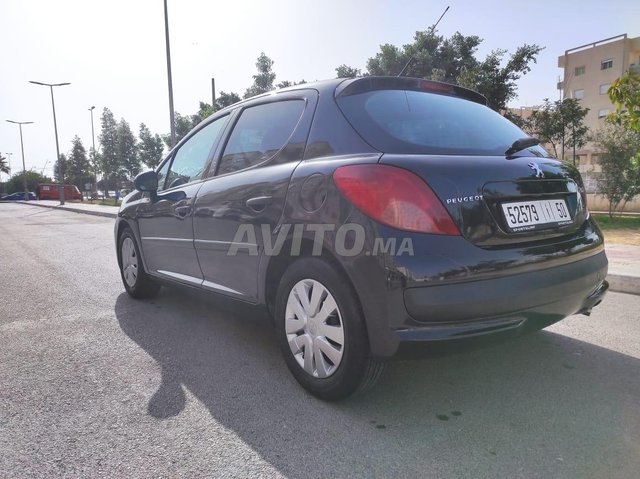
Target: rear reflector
[(394, 197)]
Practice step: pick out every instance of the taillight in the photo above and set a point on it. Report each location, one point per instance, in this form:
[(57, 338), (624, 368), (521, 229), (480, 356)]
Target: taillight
[(395, 197)]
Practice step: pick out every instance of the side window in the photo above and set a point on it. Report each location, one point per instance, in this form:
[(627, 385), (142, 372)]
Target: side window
[(261, 131), (190, 160), (162, 174)]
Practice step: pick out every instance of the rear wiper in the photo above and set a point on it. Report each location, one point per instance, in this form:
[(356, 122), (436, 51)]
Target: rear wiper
[(521, 144)]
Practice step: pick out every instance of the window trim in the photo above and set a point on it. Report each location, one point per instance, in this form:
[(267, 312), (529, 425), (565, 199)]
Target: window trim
[(605, 91), (298, 95), (603, 62), (575, 97), (168, 159), (583, 71)]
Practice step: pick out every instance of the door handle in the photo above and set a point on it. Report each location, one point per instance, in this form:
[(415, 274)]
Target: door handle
[(259, 203), (182, 211)]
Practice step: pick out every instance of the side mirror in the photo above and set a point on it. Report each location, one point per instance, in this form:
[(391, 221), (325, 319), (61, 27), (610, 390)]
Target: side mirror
[(146, 181)]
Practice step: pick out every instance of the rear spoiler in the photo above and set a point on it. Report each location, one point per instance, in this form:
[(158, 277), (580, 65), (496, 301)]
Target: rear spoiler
[(365, 84)]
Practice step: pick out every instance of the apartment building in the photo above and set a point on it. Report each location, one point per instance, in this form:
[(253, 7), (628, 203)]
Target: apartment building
[(589, 70)]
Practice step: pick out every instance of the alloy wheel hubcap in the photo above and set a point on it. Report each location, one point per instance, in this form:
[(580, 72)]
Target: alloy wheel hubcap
[(314, 328), (129, 262)]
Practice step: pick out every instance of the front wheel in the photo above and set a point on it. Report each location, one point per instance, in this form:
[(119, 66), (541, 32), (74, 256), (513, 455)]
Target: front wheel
[(136, 281), (321, 331)]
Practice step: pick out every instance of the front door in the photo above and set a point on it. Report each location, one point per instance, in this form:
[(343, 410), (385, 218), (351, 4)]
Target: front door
[(166, 219)]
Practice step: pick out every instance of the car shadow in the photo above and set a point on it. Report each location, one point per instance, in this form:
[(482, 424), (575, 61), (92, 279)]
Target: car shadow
[(537, 406)]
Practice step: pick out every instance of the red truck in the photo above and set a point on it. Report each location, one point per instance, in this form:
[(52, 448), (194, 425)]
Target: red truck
[(50, 192)]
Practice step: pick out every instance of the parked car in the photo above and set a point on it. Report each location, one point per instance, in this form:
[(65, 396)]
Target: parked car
[(18, 196), (372, 217), (52, 192)]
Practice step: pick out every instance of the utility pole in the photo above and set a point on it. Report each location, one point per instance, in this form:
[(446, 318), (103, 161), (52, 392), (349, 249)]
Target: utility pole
[(55, 129), (213, 92), (171, 112), (24, 168)]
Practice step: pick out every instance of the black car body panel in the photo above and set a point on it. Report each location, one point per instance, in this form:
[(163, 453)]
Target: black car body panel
[(486, 281)]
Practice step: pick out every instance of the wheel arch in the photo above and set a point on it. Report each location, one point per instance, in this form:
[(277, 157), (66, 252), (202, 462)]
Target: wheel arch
[(121, 225), (278, 264)]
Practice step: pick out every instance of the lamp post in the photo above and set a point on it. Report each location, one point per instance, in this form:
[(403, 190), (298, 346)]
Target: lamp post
[(171, 112), (24, 168), (55, 128), (93, 143)]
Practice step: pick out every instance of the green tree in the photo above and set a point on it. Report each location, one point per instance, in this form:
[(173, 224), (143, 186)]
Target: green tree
[(263, 80), (150, 148), (226, 99), (78, 169), (619, 181), (496, 82), (127, 149), (453, 60), (205, 110), (183, 125), (4, 165), (33, 178), (560, 124), (60, 169), (625, 94), (345, 71), (108, 158)]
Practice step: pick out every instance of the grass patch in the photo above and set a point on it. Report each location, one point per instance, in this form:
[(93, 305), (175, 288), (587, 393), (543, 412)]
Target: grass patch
[(617, 222), (109, 202), (106, 202)]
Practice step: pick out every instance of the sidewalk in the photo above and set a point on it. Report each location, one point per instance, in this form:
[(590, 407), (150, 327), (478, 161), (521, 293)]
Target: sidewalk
[(624, 260), (85, 207)]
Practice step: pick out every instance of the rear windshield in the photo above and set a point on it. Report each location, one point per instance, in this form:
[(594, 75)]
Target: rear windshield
[(414, 122)]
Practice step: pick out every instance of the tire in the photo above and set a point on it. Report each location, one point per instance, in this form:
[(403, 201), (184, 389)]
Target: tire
[(136, 281), (316, 310)]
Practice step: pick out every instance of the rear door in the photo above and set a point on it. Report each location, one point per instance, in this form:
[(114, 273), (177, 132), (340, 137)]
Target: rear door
[(246, 195), (166, 220)]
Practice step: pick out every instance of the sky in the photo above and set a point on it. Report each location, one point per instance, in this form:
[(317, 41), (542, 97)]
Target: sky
[(113, 52)]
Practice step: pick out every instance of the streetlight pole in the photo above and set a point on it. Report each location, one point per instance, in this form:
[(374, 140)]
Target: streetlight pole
[(93, 142), (171, 112), (55, 128), (24, 168)]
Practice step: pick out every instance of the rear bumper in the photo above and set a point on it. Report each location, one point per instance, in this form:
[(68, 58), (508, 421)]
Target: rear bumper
[(564, 289), (442, 338), (441, 317)]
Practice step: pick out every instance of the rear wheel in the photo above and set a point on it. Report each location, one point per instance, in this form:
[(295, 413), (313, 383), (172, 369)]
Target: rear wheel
[(136, 281), (321, 331)]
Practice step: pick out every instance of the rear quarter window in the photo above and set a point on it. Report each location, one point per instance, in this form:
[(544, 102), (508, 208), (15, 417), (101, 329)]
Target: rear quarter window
[(414, 122), (260, 132)]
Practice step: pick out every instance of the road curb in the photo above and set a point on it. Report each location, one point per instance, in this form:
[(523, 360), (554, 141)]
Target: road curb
[(104, 214), (620, 283)]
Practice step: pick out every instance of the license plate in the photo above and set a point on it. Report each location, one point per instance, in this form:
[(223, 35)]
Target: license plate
[(534, 215)]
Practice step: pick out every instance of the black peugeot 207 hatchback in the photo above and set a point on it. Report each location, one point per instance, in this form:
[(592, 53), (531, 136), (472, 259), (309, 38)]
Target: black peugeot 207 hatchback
[(371, 216)]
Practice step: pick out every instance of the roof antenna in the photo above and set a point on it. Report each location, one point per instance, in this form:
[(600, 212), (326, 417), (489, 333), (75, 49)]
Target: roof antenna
[(433, 27)]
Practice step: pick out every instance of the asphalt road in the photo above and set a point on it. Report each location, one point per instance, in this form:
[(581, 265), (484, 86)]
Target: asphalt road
[(95, 384)]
